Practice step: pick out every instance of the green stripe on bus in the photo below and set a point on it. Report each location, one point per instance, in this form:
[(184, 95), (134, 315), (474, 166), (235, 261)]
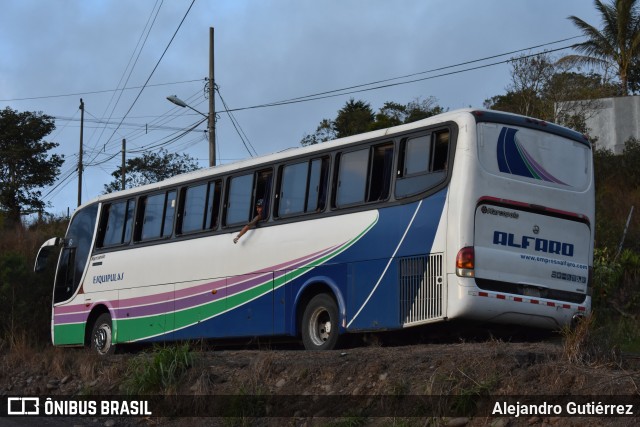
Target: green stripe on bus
[(146, 327), (68, 334)]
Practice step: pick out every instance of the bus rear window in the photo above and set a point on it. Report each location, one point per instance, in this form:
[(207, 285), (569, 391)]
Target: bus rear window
[(533, 156)]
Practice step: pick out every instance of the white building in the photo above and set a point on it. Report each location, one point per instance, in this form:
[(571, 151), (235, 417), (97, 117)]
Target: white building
[(613, 121)]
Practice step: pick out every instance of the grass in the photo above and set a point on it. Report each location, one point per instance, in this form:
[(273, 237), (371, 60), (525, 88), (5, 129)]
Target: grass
[(588, 344), (159, 371)]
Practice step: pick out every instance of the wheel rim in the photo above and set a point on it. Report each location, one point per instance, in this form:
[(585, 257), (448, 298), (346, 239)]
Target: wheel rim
[(320, 326), (102, 338)]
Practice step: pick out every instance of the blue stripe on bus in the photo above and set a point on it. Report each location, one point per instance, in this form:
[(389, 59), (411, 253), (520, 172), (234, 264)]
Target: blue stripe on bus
[(352, 277)]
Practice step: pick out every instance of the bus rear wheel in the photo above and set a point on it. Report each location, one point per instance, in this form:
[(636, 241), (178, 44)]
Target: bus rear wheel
[(320, 323), (102, 335)]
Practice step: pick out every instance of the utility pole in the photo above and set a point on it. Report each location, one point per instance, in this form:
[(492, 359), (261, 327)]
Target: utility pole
[(212, 104), (80, 153), (122, 168)]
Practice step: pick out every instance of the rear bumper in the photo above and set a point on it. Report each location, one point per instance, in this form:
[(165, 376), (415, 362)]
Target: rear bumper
[(469, 301)]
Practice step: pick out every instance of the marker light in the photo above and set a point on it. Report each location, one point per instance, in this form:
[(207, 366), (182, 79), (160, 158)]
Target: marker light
[(464, 262)]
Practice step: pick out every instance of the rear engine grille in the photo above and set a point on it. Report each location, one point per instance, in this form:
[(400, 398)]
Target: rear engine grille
[(421, 289)]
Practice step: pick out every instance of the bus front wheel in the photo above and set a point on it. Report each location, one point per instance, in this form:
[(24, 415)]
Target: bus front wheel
[(320, 323), (102, 335)]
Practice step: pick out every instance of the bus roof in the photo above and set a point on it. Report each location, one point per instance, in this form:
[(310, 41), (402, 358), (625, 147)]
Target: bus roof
[(480, 115)]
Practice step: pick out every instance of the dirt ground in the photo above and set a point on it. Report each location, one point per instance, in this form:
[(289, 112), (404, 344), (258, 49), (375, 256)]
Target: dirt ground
[(450, 380)]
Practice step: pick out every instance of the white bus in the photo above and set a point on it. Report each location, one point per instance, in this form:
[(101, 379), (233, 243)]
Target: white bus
[(469, 214)]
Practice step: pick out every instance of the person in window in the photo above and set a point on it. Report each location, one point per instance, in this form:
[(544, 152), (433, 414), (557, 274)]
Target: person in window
[(253, 222)]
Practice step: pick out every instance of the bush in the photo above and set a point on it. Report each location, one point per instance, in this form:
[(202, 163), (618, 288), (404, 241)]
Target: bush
[(159, 371), (25, 301), (616, 300), (617, 190), (25, 297)]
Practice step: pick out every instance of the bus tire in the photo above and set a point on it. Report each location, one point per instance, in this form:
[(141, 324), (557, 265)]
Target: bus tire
[(102, 335), (320, 323)]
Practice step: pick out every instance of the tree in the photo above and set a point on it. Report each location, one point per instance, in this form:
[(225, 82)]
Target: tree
[(357, 117), (25, 165), (616, 46), (391, 114), (324, 132), (151, 167), (419, 109), (529, 75), (549, 90), (354, 118)]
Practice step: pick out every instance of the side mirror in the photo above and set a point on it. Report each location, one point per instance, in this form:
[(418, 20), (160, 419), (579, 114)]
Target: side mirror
[(45, 251)]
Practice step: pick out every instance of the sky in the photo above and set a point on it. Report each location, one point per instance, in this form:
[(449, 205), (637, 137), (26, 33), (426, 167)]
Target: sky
[(123, 58)]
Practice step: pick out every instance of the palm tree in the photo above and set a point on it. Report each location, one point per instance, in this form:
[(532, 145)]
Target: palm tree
[(616, 45)]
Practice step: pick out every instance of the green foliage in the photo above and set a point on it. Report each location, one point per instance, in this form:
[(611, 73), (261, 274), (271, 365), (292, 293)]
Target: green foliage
[(617, 190), (151, 167), (358, 117), (529, 75), (544, 88), (25, 301), (354, 118), (616, 300), (159, 371), (324, 132), (616, 45), (25, 165), (590, 343)]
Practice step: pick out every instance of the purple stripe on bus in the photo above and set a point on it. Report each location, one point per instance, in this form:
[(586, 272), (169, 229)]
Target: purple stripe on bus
[(187, 298), (220, 283)]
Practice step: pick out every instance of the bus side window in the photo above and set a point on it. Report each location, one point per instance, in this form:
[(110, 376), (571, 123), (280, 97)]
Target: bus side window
[(422, 163), (303, 187), (193, 209), (263, 191), (351, 178), (156, 215), (293, 186), (238, 203), (199, 207), (128, 224), (380, 173), (243, 193), (440, 150), (213, 205), (364, 175), (317, 186), (116, 223)]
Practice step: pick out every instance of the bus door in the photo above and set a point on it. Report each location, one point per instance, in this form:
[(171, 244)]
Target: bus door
[(75, 253)]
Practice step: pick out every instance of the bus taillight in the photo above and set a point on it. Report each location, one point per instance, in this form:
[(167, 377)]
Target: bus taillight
[(465, 262)]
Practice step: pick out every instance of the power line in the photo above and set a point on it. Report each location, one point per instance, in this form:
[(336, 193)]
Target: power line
[(106, 123), (155, 67), (342, 91), (348, 91), (93, 92), (124, 73), (237, 126)]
